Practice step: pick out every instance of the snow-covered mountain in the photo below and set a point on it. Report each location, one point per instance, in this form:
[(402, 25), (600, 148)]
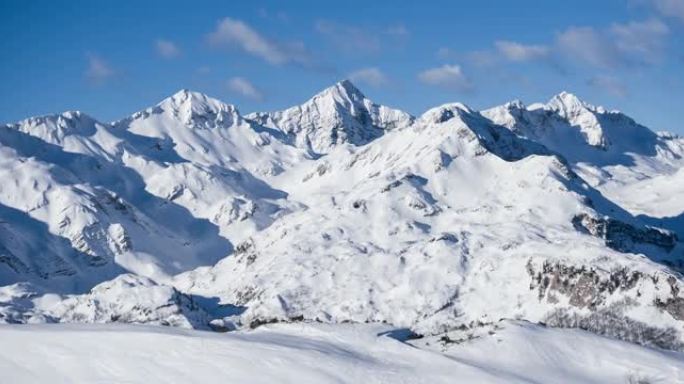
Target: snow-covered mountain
[(342, 210), (608, 149), (339, 114)]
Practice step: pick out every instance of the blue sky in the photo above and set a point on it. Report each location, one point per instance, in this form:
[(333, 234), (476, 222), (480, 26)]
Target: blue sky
[(110, 59)]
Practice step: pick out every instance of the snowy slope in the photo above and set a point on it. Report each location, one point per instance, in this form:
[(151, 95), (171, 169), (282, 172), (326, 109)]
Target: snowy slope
[(519, 353), (147, 193), (99, 206), (342, 209), (443, 225), (626, 161)]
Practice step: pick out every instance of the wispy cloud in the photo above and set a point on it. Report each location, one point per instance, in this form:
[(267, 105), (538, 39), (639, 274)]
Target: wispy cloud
[(371, 76), (515, 51), (98, 70), (643, 39), (585, 44), (629, 44), (670, 8), (608, 84), (633, 43), (245, 88), (166, 49), (231, 32), (446, 76)]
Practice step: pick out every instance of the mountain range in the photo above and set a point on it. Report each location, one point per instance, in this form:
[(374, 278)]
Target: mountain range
[(339, 210)]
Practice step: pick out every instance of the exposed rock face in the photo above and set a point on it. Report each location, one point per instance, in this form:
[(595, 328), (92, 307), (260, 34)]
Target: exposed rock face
[(622, 236), (12, 261), (674, 305), (600, 301), (613, 323), (584, 287)]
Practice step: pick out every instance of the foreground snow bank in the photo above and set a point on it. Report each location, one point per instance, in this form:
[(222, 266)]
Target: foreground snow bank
[(308, 353)]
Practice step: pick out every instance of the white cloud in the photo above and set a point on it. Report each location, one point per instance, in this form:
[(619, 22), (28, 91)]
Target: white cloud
[(243, 87), (585, 44), (166, 49), (620, 45), (371, 76), (642, 39), (514, 51), (447, 76), (628, 44), (98, 71), (233, 32), (670, 8), (608, 84)]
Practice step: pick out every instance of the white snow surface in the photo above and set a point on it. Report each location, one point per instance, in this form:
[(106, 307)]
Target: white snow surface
[(343, 210), (308, 353)]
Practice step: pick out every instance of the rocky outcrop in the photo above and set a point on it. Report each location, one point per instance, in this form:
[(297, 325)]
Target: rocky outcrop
[(624, 237), (600, 302), (584, 287), (613, 323)]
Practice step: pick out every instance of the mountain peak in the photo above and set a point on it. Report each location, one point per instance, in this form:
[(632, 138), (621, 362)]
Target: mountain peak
[(348, 87), (193, 107), (71, 115), (568, 105), (566, 101), (186, 94), (581, 117), (445, 112), (57, 126), (515, 104), (197, 100), (343, 90), (338, 114), (565, 95)]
